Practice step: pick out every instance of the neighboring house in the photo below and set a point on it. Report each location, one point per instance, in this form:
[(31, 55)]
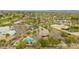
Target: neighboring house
[(6, 30), (20, 27), (42, 33), (62, 21)]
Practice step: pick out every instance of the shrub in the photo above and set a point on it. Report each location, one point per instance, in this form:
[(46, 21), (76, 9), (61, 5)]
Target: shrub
[(49, 42), (7, 35), (43, 43), (34, 32), (53, 41), (64, 34), (37, 44), (50, 29), (70, 39), (20, 45), (2, 42)]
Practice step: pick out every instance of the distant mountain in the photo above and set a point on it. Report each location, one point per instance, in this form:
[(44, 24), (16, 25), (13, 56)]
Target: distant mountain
[(53, 10), (63, 10), (41, 10)]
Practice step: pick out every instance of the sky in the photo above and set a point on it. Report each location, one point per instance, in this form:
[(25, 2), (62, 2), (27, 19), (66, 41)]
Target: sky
[(39, 4)]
